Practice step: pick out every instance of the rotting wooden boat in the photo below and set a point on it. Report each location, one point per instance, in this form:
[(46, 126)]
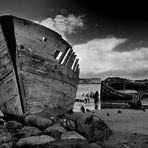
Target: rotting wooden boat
[(39, 71), (120, 89)]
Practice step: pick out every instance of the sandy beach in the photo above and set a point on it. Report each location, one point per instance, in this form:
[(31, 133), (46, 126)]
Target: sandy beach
[(130, 127)]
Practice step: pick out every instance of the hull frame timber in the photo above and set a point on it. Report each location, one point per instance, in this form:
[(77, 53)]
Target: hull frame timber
[(116, 89)]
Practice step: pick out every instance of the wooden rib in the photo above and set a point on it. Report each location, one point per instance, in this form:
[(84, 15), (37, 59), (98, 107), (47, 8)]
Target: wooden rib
[(71, 60), (67, 57), (63, 54), (77, 69), (74, 68)]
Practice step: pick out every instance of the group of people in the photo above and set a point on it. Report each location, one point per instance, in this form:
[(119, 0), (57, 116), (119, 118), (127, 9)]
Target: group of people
[(92, 95), (96, 100)]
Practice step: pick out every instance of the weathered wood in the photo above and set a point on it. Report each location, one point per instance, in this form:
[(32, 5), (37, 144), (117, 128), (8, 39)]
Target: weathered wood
[(77, 69), (75, 65), (71, 60), (68, 56), (9, 98), (62, 45), (47, 68), (22, 89), (56, 53), (35, 79), (63, 55), (110, 89), (30, 35)]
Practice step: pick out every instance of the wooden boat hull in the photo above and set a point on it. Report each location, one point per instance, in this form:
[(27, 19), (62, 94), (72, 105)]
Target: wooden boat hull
[(39, 81), (109, 94), (110, 90)]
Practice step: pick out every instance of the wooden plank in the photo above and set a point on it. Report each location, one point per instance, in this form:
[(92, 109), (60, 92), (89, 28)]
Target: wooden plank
[(9, 96), (7, 90), (44, 92), (34, 48), (63, 55), (71, 60), (21, 85), (75, 65), (34, 33), (62, 45), (48, 66), (67, 57)]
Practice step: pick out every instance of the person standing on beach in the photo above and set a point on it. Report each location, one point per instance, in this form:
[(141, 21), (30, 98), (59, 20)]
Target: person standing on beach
[(96, 99)]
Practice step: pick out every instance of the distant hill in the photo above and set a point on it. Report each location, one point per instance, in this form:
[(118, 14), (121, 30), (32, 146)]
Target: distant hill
[(89, 80), (129, 74)]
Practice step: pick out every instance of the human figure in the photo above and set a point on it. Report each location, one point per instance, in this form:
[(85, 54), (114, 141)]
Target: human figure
[(96, 106), (96, 99)]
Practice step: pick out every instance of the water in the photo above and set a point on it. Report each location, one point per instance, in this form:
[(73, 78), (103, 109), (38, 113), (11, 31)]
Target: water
[(84, 89), (87, 88)]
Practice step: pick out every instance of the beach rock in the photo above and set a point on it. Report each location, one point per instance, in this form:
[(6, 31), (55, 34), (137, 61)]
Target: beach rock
[(38, 121), (34, 141), (27, 131), (6, 145), (55, 130), (2, 122), (13, 127), (93, 145), (119, 112), (5, 138), (90, 126), (68, 124), (71, 135), (72, 143)]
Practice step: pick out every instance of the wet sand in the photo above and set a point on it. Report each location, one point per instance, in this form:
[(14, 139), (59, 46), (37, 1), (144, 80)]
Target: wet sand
[(133, 121), (130, 127)]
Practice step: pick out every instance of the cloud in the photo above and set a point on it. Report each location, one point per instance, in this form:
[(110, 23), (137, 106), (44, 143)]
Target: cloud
[(98, 56), (62, 24)]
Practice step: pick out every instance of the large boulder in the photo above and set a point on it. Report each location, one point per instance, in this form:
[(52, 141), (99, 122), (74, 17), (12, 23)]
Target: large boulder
[(28, 131), (7, 145), (34, 141), (71, 135), (38, 121), (13, 127), (93, 145), (5, 138), (68, 124), (55, 130), (90, 126)]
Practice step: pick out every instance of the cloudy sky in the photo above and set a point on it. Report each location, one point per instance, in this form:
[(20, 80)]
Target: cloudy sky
[(110, 38)]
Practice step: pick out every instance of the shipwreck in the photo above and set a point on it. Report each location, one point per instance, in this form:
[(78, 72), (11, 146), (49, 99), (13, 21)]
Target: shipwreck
[(39, 71), (121, 89)]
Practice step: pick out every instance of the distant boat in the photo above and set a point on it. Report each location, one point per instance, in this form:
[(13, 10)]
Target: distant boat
[(39, 71), (120, 89)]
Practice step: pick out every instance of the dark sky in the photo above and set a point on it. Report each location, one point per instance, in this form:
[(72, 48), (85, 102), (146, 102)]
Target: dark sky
[(118, 18), (105, 20)]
